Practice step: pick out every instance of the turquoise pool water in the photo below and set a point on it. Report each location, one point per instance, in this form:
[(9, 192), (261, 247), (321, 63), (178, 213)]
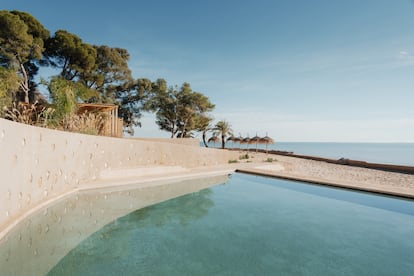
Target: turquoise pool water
[(254, 226), (37, 243)]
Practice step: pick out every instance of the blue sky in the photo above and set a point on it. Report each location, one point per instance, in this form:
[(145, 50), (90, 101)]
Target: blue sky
[(321, 70)]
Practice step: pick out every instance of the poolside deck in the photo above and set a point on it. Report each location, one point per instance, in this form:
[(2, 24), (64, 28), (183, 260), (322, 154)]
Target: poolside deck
[(319, 172)]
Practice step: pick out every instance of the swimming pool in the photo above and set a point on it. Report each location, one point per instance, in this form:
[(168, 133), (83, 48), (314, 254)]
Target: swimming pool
[(254, 226), (37, 243)]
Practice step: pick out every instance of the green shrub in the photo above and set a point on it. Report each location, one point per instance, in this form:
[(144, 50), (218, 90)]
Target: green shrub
[(86, 123), (244, 156), (31, 114)]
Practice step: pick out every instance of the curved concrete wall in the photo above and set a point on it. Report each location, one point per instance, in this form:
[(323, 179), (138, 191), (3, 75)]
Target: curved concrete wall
[(38, 164), (186, 141)]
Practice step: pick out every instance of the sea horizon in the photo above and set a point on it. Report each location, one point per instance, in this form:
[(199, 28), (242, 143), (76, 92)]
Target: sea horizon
[(396, 153)]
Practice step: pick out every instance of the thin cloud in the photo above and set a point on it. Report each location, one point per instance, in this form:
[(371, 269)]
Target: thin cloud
[(403, 54), (405, 58)]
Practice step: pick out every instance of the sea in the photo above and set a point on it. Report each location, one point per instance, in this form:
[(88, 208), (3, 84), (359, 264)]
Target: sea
[(383, 153)]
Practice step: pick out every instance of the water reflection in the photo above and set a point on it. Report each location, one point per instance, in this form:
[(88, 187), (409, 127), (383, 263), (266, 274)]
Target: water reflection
[(132, 234), (37, 244), (187, 208)]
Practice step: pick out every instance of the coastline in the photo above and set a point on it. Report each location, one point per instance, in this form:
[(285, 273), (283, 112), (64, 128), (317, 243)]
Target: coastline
[(394, 153), (342, 161), (330, 174)]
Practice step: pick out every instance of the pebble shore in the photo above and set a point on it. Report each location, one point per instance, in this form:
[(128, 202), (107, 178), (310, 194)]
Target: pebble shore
[(330, 174)]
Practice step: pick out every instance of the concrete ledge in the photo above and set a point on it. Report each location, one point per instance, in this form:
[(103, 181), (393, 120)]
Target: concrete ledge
[(140, 172), (179, 141)]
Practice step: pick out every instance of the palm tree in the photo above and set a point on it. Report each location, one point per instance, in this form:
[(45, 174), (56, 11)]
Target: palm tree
[(223, 128)]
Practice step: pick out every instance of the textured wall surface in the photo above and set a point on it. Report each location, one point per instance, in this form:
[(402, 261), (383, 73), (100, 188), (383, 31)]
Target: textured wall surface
[(187, 141), (38, 164)]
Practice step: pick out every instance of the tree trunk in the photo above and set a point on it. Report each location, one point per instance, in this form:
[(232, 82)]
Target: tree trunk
[(204, 139), (24, 85), (183, 130), (172, 130), (223, 142)]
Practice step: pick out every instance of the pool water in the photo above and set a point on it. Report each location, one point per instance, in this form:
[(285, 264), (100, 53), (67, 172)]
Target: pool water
[(37, 243), (254, 225)]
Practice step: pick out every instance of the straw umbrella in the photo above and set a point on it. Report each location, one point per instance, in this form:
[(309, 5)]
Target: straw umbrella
[(238, 140), (246, 140), (214, 139), (234, 139), (267, 140), (255, 139)]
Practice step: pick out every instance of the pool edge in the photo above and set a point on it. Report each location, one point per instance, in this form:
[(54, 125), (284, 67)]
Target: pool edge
[(326, 183)]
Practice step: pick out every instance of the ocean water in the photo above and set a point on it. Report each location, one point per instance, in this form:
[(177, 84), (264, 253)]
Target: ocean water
[(384, 153)]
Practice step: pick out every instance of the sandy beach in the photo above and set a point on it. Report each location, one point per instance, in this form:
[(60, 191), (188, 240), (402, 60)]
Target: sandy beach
[(329, 174)]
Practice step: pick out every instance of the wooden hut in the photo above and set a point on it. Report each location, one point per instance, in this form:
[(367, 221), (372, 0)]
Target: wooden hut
[(113, 125)]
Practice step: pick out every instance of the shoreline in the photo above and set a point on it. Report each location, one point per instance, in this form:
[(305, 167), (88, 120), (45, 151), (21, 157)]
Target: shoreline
[(342, 161), (329, 174)]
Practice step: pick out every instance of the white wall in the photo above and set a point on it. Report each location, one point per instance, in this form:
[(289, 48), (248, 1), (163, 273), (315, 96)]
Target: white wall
[(179, 141), (38, 164)]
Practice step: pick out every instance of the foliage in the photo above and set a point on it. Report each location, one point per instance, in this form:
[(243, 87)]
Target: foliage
[(244, 156), (101, 69), (180, 112), (269, 159), (86, 123), (203, 123), (22, 39), (31, 114), (69, 53), (9, 83), (111, 71), (131, 99), (223, 128), (164, 103), (233, 161), (191, 106), (64, 95), (88, 73)]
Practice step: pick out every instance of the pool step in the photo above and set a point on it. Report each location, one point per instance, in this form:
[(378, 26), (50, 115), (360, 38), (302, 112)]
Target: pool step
[(141, 171)]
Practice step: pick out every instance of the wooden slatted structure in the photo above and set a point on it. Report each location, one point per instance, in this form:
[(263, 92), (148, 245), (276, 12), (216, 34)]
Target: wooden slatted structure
[(113, 125)]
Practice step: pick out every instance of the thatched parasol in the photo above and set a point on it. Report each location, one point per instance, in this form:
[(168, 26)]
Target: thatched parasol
[(234, 139), (255, 140), (267, 140), (246, 140), (214, 139)]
